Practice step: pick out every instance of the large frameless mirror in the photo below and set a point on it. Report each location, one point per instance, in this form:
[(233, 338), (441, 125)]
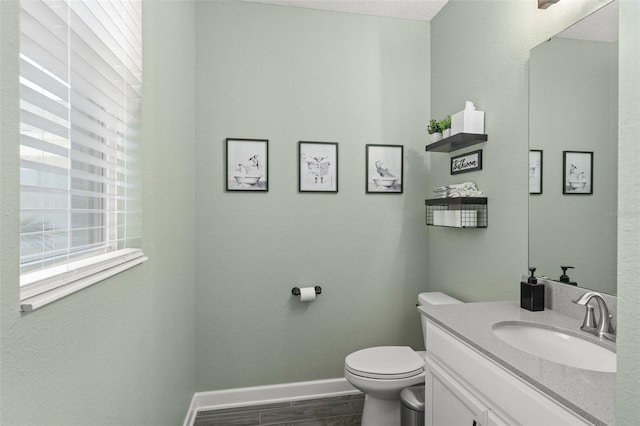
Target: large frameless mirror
[(573, 142)]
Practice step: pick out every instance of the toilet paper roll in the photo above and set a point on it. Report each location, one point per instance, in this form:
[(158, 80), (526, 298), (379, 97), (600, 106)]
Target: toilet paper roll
[(307, 294)]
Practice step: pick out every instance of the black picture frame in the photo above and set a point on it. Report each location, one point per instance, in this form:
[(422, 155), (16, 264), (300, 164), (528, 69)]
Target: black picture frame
[(384, 169), (246, 165), (536, 168), (317, 166), (467, 162), (577, 172)]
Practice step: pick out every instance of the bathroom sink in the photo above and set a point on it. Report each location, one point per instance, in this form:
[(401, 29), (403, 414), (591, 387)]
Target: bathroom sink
[(556, 345)]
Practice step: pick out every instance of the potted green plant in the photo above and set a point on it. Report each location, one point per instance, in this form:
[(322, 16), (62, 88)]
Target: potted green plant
[(445, 126), (434, 130)]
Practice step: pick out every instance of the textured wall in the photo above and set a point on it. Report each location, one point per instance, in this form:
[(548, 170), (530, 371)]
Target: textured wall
[(289, 74), (628, 382), (122, 351)]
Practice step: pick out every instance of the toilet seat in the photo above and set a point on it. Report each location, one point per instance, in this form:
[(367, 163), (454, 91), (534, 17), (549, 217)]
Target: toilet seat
[(385, 363)]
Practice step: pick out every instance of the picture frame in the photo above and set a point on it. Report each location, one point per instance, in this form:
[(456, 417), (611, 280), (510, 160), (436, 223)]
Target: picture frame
[(577, 175), (246, 164), (384, 169), (317, 166), (535, 171), (467, 162)]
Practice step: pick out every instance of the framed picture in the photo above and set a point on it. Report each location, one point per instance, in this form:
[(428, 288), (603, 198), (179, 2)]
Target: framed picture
[(317, 166), (535, 171), (246, 164), (469, 162), (385, 169), (577, 172)]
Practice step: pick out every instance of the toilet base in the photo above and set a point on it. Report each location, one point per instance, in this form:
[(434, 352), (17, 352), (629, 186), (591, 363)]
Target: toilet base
[(380, 412)]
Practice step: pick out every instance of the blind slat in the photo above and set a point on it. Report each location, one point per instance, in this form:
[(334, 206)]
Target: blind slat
[(43, 123), (30, 141), (57, 108)]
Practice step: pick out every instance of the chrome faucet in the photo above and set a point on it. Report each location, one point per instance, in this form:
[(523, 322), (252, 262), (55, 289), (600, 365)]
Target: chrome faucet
[(602, 328)]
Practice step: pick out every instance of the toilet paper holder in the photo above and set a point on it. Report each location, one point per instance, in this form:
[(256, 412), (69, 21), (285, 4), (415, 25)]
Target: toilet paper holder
[(296, 290)]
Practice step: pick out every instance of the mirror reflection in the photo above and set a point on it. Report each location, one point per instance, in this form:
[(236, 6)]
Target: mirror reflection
[(573, 101)]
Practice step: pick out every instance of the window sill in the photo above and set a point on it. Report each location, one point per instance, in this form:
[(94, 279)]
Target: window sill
[(40, 288)]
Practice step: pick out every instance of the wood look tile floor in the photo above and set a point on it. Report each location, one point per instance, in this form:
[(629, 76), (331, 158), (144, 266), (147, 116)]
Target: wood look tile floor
[(335, 411)]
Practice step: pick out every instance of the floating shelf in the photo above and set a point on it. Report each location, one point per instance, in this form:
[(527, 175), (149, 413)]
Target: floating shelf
[(456, 142), (466, 212)]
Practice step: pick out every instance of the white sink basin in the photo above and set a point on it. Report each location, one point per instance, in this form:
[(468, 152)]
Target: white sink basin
[(557, 346)]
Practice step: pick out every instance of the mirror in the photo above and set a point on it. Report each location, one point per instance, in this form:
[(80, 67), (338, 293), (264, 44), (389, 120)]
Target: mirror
[(573, 101)]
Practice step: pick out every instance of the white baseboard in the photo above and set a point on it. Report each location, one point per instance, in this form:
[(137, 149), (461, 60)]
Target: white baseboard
[(239, 397)]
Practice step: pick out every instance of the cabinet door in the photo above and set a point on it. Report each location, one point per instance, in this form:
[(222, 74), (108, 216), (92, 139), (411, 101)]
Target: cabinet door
[(448, 403), (452, 408)]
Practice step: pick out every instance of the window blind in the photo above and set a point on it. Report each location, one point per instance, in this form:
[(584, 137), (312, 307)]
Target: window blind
[(80, 101)]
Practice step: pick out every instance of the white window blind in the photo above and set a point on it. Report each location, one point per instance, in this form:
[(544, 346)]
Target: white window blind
[(80, 99)]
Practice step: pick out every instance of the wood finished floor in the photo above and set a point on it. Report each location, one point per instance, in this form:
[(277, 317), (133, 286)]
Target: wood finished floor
[(336, 411)]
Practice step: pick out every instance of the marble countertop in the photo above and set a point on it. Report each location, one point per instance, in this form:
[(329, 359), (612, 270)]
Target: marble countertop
[(590, 394)]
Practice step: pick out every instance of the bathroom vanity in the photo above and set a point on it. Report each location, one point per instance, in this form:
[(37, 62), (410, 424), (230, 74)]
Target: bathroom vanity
[(475, 378)]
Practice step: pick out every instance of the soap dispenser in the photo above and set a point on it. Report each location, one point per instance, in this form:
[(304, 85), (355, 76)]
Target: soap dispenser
[(564, 278), (532, 293)]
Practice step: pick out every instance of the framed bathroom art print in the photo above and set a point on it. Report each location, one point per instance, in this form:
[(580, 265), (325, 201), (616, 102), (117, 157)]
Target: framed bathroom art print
[(246, 164), (384, 169), (317, 166), (535, 171), (577, 175)]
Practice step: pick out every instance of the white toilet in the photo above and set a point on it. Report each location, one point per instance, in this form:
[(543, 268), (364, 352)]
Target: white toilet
[(382, 372)]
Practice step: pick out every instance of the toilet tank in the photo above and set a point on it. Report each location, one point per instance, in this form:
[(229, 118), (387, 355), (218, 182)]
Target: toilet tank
[(433, 298)]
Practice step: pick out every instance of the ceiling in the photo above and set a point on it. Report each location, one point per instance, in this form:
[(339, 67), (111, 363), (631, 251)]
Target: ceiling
[(417, 10)]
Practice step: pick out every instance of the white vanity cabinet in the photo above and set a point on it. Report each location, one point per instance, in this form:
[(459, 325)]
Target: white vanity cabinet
[(466, 388)]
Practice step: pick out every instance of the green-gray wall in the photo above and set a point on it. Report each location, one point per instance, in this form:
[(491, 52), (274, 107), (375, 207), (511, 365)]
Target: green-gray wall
[(573, 105), (628, 379), (289, 74), (120, 352), (479, 52)]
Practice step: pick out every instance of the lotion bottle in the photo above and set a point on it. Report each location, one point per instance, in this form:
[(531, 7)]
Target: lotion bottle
[(532, 293)]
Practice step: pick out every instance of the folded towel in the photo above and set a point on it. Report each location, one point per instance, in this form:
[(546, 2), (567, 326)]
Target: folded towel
[(465, 189), (466, 193), (466, 185)]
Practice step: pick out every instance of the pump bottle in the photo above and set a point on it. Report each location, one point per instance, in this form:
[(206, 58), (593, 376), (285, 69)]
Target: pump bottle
[(532, 293)]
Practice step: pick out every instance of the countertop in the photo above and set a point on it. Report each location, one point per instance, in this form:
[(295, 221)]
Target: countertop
[(590, 394)]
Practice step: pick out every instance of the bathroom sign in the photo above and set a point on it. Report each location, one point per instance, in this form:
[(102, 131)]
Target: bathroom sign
[(469, 162)]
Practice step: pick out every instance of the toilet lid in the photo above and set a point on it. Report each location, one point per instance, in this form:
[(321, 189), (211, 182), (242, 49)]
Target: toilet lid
[(385, 362)]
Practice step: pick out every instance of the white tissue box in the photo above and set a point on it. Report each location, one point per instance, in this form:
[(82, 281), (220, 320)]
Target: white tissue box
[(467, 121), (438, 217)]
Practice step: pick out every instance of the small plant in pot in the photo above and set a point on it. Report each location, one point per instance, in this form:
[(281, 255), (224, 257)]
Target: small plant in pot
[(445, 126), (434, 130)]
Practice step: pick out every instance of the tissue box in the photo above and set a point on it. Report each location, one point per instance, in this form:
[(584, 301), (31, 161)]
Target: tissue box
[(467, 121), (438, 217)]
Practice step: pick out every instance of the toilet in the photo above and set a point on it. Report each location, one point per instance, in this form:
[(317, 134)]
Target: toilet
[(382, 372)]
